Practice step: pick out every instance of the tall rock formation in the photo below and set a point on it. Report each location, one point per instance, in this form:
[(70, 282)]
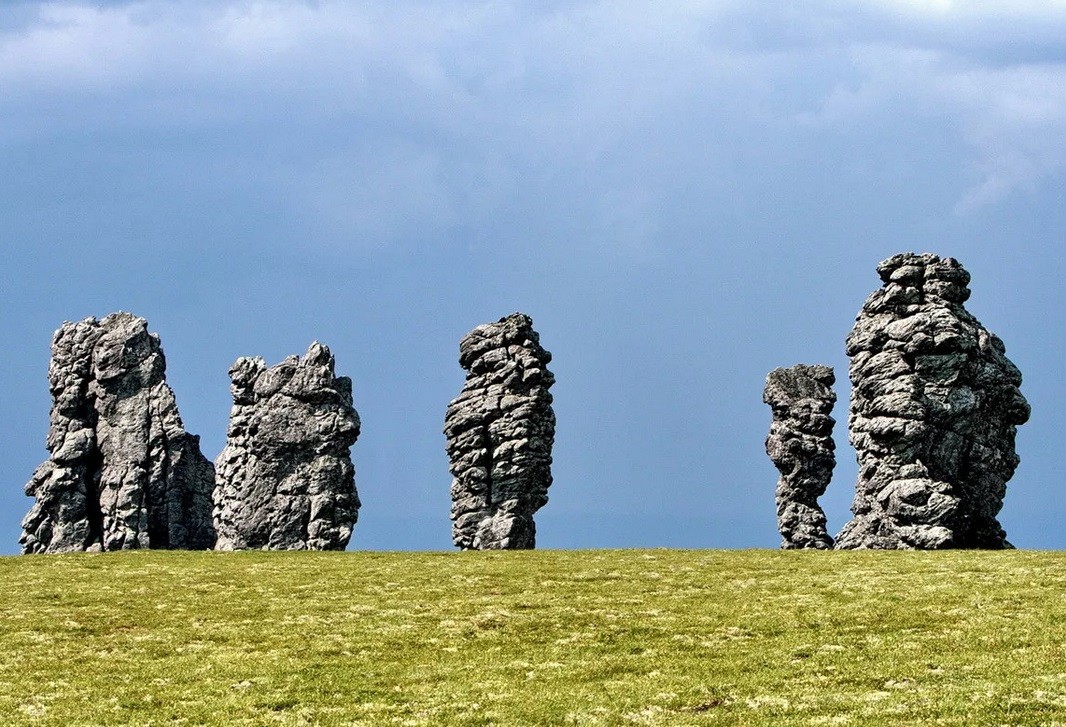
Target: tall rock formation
[(122, 473), (801, 447), (934, 409), (285, 478), (500, 433)]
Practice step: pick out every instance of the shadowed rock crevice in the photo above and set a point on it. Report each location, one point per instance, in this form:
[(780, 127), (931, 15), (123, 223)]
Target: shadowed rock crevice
[(500, 432), (285, 477), (934, 408), (801, 447), (123, 472)]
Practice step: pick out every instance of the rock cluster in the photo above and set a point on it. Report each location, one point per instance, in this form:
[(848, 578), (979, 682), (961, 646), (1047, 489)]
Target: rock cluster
[(934, 407), (500, 432), (122, 472), (801, 447), (285, 478)]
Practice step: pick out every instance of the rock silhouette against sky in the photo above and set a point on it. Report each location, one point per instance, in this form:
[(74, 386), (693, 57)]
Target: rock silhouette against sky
[(802, 448), (122, 472), (935, 405), (500, 431), (285, 478), (934, 408)]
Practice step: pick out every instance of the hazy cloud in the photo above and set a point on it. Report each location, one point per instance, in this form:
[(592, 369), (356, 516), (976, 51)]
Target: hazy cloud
[(604, 89)]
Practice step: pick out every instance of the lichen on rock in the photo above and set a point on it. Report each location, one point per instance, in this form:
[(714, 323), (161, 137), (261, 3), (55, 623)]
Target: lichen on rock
[(800, 444), (123, 473), (500, 431), (285, 478), (934, 409)]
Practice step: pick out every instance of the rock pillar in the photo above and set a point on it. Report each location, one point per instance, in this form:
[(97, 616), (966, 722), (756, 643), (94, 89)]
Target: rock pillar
[(500, 432)]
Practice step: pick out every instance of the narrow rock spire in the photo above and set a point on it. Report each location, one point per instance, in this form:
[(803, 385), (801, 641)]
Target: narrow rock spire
[(801, 447), (500, 433)]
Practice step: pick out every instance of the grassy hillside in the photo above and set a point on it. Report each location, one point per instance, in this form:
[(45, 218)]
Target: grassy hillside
[(657, 637)]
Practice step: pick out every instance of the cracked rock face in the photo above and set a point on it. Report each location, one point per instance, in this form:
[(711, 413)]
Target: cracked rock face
[(500, 432), (801, 447), (934, 410), (122, 473), (285, 478)]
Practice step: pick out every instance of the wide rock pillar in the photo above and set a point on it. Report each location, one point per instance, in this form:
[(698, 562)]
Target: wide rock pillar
[(285, 478), (122, 472), (934, 408)]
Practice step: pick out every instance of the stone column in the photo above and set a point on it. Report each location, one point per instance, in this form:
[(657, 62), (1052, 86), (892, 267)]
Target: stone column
[(285, 478), (934, 408), (801, 447), (500, 432), (122, 472)]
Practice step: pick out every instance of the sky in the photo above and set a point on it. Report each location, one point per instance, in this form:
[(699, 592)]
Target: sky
[(682, 195)]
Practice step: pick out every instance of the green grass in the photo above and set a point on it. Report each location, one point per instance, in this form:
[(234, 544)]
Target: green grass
[(661, 637)]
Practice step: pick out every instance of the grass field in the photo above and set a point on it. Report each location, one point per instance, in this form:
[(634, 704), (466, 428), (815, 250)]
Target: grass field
[(660, 637)]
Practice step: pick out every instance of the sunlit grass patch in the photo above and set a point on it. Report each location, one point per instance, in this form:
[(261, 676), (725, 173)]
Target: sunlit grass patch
[(550, 637)]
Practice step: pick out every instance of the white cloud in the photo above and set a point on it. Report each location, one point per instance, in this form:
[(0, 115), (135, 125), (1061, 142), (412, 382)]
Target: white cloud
[(72, 45), (979, 8), (625, 93), (1012, 117), (1016, 118)]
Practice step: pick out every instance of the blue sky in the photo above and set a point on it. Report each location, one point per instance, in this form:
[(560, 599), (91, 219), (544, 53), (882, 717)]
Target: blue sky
[(682, 198)]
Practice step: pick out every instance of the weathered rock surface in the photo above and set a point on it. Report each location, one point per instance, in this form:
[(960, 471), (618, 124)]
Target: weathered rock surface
[(123, 472), (285, 478), (500, 433), (934, 409), (801, 447)]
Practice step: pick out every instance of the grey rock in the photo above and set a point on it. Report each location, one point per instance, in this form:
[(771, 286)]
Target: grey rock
[(500, 432), (122, 473), (801, 446), (934, 409), (285, 478)]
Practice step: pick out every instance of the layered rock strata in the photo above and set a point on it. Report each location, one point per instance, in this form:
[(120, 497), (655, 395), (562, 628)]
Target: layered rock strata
[(285, 478), (934, 409), (122, 472), (801, 446), (500, 432)]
